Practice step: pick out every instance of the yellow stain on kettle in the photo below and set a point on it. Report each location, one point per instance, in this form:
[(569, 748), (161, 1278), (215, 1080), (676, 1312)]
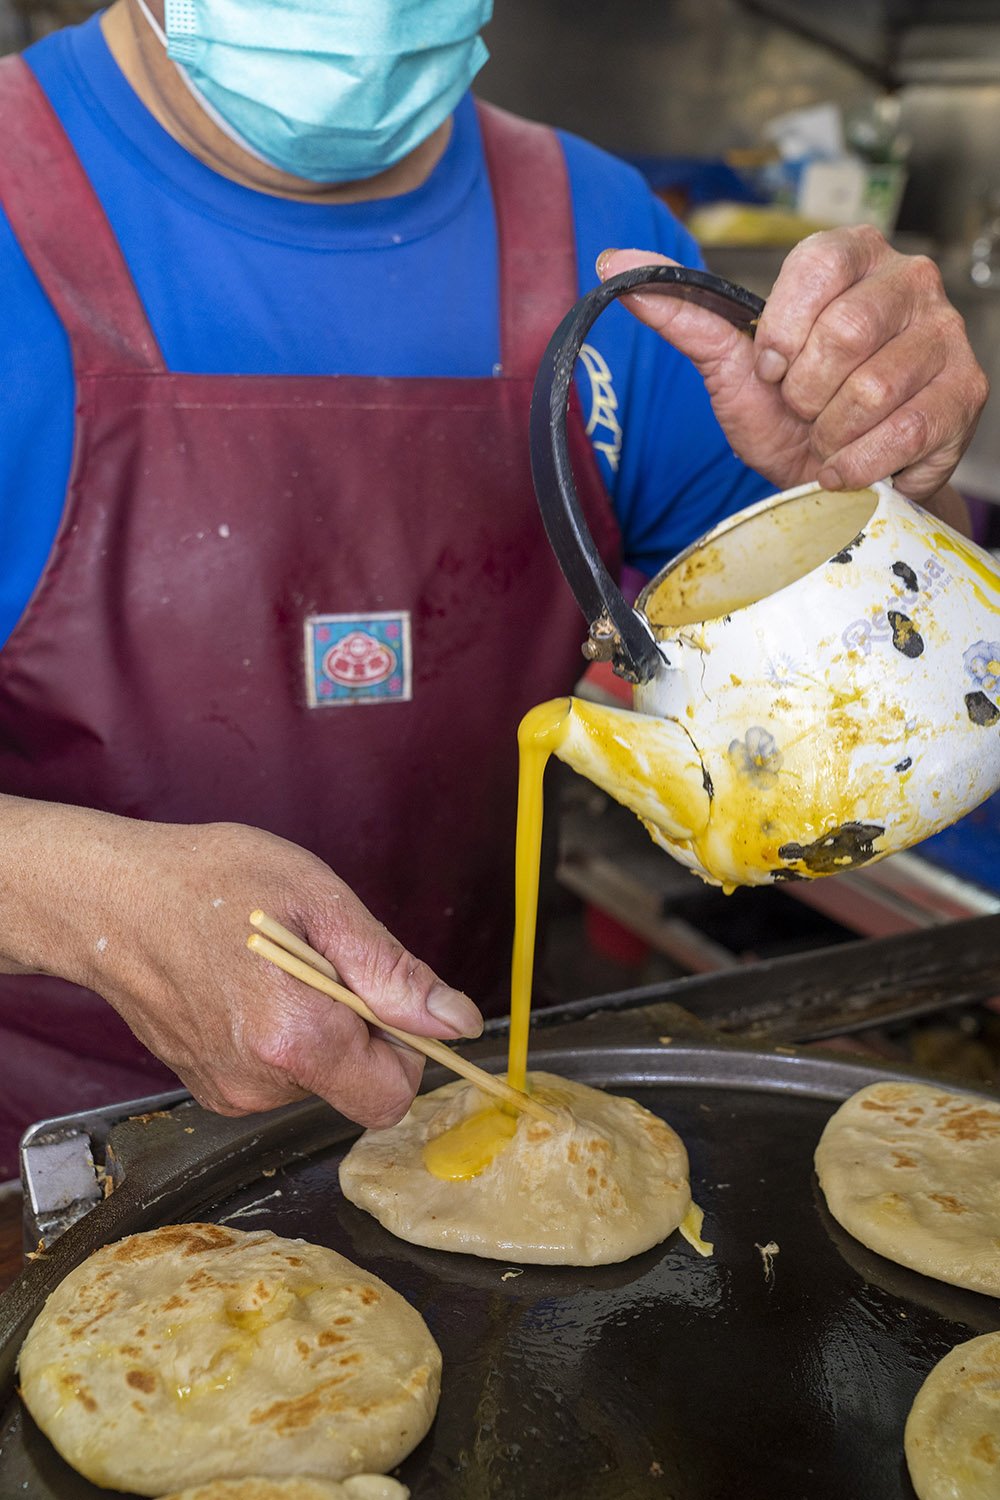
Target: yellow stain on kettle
[(978, 570)]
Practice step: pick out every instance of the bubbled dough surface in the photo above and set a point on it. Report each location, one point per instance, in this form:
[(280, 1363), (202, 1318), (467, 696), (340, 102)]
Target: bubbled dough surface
[(608, 1180), (952, 1438), (197, 1352), (913, 1172)]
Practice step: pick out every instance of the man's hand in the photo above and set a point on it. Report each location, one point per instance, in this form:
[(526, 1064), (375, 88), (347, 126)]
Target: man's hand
[(154, 917), (860, 368)]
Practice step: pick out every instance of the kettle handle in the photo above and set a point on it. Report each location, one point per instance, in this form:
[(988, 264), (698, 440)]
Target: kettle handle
[(617, 633)]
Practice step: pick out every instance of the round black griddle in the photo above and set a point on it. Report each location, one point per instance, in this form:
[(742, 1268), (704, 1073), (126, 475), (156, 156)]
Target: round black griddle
[(760, 1374)]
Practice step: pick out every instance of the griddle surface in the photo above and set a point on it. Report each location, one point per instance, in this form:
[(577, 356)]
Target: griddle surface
[(739, 1377)]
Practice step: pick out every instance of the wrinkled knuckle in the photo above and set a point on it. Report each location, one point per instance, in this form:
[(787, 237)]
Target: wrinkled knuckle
[(924, 277), (406, 972), (912, 428), (275, 1051), (870, 390), (980, 389), (847, 328)]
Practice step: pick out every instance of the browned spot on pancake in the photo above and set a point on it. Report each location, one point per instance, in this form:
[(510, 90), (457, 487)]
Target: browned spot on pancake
[(138, 1406), (591, 1171), (132, 1350), (326, 1338), (572, 1153), (78, 1330), (291, 1416), (294, 1260), (971, 1124), (173, 1303), (949, 1204), (349, 1359), (141, 1380), (899, 1160), (75, 1386), (984, 1449), (886, 1109), (344, 1318), (596, 1144), (369, 1295), (189, 1239), (537, 1131)]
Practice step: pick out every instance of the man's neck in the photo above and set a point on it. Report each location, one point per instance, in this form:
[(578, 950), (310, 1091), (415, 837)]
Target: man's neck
[(154, 77)]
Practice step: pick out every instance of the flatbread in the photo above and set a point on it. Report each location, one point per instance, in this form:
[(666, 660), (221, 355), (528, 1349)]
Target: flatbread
[(952, 1437), (607, 1181), (197, 1352), (913, 1172), (359, 1487)]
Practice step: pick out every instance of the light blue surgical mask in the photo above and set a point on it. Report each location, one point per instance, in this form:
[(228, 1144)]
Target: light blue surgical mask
[(328, 90)]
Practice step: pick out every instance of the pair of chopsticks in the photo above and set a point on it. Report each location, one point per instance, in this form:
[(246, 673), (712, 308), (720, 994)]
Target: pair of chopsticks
[(274, 942)]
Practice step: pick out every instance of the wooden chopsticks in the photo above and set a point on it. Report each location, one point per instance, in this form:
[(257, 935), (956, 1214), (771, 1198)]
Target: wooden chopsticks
[(281, 947)]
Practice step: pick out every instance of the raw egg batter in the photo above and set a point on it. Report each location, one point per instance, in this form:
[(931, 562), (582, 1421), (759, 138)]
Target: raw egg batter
[(466, 1149)]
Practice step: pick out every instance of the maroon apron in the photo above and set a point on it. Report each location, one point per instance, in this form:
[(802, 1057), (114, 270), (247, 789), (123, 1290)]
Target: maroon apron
[(318, 605)]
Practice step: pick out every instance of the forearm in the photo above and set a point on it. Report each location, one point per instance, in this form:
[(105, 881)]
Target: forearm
[(46, 848)]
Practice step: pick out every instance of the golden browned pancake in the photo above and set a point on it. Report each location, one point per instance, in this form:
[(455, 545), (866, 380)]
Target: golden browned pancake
[(952, 1438), (198, 1352), (607, 1180), (911, 1170)]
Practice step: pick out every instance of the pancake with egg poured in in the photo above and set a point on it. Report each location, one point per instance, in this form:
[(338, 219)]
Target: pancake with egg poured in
[(196, 1352), (604, 1181), (913, 1172)]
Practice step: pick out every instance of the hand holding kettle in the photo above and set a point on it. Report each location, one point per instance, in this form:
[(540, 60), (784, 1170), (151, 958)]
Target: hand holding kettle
[(859, 368), (817, 679)]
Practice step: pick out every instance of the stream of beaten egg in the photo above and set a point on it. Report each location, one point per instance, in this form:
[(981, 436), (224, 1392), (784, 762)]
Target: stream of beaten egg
[(466, 1149)]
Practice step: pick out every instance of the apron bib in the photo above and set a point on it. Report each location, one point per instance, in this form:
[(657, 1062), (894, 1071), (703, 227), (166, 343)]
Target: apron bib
[(317, 605)]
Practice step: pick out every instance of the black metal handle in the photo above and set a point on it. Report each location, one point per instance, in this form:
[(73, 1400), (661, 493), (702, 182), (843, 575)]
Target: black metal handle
[(617, 633)]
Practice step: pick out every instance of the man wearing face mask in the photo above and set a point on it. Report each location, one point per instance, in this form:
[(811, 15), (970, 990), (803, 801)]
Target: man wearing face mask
[(274, 590)]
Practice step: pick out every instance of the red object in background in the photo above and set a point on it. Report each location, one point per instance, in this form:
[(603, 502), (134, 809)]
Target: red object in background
[(606, 936), (600, 675)]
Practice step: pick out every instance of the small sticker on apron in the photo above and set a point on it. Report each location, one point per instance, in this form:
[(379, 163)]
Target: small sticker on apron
[(357, 659)]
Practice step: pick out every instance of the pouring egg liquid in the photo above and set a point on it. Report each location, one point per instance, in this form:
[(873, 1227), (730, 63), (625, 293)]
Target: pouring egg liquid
[(466, 1149)]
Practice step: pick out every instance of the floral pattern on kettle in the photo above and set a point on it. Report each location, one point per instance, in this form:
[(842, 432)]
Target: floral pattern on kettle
[(982, 662), (756, 756)]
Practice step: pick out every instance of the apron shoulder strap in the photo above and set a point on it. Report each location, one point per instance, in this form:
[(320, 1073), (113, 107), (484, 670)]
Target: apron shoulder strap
[(535, 234), (64, 232)]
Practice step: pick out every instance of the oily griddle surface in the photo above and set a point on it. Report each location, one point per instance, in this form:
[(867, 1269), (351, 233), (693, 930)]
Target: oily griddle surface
[(757, 1374)]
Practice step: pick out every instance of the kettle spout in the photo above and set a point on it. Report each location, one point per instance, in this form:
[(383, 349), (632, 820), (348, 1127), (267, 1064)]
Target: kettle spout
[(649, 764)]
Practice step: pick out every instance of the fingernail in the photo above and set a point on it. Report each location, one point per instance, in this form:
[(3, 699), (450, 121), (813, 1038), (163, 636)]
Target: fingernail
[(771, 366), (455, 1010), (602, 261), (830, 478)]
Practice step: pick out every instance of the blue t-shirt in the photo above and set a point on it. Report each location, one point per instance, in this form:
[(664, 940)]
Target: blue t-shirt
[(236, 281)]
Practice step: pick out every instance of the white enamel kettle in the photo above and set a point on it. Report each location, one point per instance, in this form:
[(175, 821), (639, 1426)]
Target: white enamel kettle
[(816, 680)]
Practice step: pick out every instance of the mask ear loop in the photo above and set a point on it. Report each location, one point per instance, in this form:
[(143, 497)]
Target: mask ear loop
[(205, 105)]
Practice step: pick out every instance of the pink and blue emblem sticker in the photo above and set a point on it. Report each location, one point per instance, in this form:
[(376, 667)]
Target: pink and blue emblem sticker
[(358, 659)]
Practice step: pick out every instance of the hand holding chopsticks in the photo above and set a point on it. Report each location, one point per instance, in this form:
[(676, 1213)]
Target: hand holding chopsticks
[(281, 947)]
